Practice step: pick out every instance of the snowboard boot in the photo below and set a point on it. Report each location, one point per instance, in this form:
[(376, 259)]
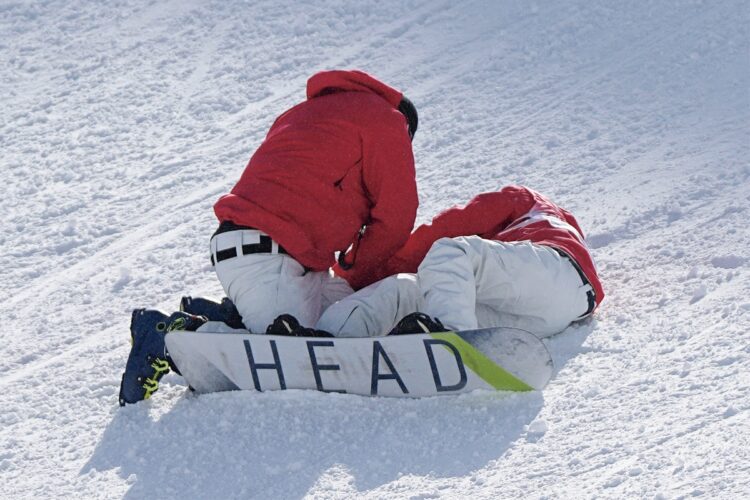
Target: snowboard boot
[(417, 322), (225, 311), (149, 360), (287, 325)]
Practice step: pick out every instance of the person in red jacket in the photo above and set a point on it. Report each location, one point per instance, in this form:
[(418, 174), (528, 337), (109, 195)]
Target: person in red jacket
[(335, 173), (508, 258)]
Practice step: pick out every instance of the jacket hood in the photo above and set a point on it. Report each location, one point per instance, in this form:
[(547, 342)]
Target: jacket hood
[(351, 80)]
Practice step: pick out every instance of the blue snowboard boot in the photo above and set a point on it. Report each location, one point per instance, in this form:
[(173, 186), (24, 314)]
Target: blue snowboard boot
[(149, 360), (214, 311)]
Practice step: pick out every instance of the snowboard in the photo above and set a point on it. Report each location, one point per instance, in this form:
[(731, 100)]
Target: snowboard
[(415, 365)]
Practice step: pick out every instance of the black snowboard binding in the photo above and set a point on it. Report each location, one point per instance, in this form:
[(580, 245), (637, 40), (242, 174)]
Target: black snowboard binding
[(287, 325), (417, 322), (225, 311)]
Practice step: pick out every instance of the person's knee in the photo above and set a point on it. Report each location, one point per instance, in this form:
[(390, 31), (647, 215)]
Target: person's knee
[(457, 242), (444, 249), (341, 320)]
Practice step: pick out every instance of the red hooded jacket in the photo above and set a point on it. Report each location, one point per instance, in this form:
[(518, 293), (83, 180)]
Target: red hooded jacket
[(514, 213), (329, 166)]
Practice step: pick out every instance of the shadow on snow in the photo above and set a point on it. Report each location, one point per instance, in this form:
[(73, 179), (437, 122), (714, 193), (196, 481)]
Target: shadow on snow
[(280, 444)]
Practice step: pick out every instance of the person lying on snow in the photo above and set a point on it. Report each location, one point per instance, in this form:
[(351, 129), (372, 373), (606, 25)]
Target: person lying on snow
[(509, 258), (330, 166)]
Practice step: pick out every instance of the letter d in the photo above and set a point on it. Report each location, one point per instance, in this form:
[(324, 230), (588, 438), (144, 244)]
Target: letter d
[(428, 343)]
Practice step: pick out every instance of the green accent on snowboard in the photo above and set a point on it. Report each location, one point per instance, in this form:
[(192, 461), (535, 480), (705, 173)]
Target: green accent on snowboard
[(488, 370)]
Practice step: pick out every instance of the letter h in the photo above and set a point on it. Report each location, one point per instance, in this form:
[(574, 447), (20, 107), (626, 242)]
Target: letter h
[(254, 367)]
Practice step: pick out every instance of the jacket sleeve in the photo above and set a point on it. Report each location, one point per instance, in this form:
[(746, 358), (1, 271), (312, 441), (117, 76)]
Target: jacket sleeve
[(485, 215), (389, 180), (570, 219)]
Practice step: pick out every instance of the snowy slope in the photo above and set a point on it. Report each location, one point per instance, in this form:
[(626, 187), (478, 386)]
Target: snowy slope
[(121, 123)]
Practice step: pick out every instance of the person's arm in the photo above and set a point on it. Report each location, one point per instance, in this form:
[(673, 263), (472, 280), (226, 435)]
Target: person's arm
[(389, 179), (485, 215), (570, 219)]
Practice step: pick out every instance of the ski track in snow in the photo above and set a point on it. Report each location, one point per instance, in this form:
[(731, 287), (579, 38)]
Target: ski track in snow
[(121, 125)]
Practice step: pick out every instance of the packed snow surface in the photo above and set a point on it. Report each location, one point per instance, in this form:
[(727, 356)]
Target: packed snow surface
[(122, 122)]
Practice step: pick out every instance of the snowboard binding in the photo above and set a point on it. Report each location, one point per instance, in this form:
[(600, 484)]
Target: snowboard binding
[(287, 325), (417, 322), (225, 311), (149, 360)]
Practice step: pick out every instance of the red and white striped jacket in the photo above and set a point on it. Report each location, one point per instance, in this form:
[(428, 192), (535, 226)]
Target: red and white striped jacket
[(515, 213)]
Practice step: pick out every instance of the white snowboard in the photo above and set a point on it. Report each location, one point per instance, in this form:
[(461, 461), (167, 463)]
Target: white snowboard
[(503, 359)]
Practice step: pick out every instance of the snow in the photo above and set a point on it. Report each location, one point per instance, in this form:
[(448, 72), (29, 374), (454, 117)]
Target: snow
[(121, 124)]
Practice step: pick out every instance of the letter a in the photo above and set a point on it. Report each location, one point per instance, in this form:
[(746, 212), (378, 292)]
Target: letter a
[(377, 352)]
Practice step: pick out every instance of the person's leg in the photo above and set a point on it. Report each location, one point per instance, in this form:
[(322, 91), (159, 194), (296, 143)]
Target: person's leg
[(447, 282), (516, 284), (547, 292), (263, 286), (333, 289), (373, 310), (300, 292)]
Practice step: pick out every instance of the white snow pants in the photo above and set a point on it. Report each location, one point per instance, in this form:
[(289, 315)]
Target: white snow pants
[(373, 310), (469, 282), (266, 285)]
